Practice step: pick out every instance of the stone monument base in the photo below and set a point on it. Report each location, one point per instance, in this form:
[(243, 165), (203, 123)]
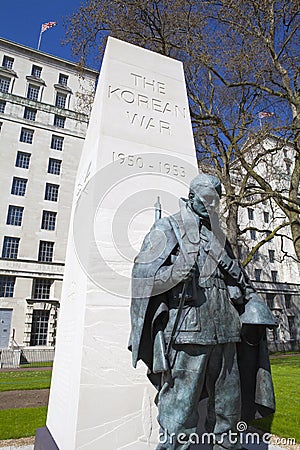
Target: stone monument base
[(44, 440), (139, 145)]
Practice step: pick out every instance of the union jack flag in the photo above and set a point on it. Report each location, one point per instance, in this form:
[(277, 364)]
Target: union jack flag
[(47, 25), (263, 114)]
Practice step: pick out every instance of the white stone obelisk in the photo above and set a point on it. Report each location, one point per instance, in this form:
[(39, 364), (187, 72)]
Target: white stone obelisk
[(139, 146)]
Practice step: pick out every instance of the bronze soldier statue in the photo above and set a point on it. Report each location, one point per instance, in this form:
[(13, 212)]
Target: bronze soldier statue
[(190, 298)]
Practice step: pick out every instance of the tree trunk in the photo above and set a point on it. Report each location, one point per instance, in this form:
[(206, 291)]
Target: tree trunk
[(232, 227), (295, 229)]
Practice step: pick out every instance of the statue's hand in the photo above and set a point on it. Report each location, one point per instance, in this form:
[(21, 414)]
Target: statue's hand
[(191, 273), (182, 273)]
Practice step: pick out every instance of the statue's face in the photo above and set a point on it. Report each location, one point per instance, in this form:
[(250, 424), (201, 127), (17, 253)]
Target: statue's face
[(197, 205), (203, 207)]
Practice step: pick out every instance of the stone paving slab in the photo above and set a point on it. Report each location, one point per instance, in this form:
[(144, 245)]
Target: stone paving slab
[(202, 447), (11, 447)]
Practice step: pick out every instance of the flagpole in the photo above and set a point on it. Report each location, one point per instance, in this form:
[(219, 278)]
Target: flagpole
[(40, 38)]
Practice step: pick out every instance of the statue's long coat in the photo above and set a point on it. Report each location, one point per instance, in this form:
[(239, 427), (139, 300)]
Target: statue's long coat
[(150, 312)]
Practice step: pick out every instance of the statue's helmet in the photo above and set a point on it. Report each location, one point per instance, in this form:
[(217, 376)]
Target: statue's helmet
[(257, 313), (208, 188), (203, 182)]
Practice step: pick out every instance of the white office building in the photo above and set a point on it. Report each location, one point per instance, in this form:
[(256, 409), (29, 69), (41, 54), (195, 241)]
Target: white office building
[(42, 130), (274, 267)]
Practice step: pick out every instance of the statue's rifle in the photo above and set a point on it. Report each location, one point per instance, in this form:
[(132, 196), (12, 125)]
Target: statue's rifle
[(160, 351), (157, 207), (182, 297), (160, 362)]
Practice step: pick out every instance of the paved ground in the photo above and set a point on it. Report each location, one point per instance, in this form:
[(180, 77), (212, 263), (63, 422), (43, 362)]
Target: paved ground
[(25, 369), (253, 447), (27, 447), (24, 399), (27, 444), (16, 444)]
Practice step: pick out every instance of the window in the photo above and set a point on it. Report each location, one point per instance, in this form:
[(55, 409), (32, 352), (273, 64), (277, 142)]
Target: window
[(288, 300), (57, 142), (274, 275), (33, 92), (26, 136), (288, 164), (4, 85), (2, 106), (60, 100), (46, 251), (250, 213), (270, 300), (39, 327), (292, 327), (48, 220), (10, 247), (59, 121), (51, 192), (36, 71), (274, 332), (19, 186), (272, 256), (29, 113), (268, 232), (63, 79), (15, 215), (253, 234), (257, 274), (266, 217), (41, 288), (7, 285), (23, 160), (240, 251), (7, 62), (54, 166), (256, 256)]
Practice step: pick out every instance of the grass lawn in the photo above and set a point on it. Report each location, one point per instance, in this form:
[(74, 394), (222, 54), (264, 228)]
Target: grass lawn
[(37, 365), (285, 422), (35, 379), (23, 422), (286, 377)]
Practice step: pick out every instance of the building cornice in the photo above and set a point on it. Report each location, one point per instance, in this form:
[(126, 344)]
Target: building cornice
[(276, 288), (40, 56), (31, 268), (35, 80), (46, 107), (8, 72)]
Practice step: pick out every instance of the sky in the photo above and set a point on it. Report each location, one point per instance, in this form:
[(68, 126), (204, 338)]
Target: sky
[(21, 22)]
